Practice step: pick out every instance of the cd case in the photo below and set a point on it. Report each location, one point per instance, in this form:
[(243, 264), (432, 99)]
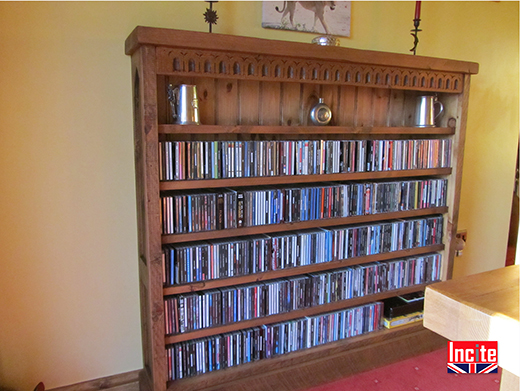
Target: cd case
[(403, 305)]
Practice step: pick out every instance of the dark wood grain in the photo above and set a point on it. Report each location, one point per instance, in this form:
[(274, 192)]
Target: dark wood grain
[(149, 218)]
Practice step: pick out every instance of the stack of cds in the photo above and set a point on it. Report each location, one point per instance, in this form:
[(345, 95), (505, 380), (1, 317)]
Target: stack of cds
[(217, 352), (188, 312), (181, 160), (232, 208), (201, 261)]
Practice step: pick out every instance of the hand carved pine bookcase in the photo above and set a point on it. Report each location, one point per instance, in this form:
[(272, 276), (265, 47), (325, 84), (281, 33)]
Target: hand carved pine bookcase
[(267, 243)]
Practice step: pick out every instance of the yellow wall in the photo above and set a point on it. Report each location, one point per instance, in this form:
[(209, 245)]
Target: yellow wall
[(69, 307)]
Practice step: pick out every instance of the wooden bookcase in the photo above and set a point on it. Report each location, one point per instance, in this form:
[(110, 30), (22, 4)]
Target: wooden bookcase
[(256, 89)]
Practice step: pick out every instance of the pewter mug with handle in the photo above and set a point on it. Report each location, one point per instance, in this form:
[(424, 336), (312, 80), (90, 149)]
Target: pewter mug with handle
[(425, 110), (184, 103)]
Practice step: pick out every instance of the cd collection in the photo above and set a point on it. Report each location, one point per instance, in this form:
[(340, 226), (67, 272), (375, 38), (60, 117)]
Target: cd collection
[(181, 160), (188, 312), (197, 211), (228, 208), (190, 358), (200, 261)]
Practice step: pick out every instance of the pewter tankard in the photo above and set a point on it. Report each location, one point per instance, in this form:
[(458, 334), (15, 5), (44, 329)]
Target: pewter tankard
[(425, 110), (184, 103)]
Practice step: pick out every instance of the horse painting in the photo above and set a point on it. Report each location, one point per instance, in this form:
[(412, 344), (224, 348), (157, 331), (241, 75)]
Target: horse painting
[(325, 17)]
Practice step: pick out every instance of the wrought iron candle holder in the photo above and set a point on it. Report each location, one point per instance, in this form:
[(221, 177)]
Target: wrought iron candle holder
[(416, 22), (414, 34)]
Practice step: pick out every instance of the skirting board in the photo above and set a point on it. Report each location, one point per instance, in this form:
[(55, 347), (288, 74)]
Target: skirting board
[(128, 381)]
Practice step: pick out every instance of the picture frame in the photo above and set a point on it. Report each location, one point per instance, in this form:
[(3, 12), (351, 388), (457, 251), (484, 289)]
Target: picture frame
[(321, 17)]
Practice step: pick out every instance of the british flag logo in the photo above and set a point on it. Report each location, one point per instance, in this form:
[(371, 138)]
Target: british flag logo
[(472, 357), (472, 368)]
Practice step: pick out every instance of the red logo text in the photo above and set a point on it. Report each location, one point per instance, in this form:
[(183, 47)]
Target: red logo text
[(484, 352)]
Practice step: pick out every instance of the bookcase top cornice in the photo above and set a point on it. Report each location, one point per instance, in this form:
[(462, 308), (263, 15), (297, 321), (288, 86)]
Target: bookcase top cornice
[(231, 43)]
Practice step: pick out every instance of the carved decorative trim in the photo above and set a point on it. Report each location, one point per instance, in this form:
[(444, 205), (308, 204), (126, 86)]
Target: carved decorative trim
[(303, 70)]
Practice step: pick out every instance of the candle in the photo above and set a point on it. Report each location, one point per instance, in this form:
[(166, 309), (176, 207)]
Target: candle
[(417, 10)]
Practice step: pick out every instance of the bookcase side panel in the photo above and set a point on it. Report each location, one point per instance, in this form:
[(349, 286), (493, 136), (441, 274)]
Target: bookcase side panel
[(457, 108), (148, 214)]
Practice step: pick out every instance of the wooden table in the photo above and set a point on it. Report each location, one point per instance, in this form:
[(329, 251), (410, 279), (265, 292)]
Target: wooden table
[(480, 307)]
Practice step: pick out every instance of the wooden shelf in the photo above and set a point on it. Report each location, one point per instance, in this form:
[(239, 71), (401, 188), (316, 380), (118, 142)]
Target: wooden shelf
[(302, 130), (295, 271), (282, 317), (266, 229), (294, 179)]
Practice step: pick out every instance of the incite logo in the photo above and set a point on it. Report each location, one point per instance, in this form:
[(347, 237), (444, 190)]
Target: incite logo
[(472, 357)]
